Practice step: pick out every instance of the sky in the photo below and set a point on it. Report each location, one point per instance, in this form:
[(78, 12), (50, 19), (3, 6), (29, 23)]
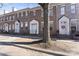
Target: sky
[(17, 6)]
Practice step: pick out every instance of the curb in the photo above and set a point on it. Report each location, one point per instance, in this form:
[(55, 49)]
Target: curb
[(43, 50)]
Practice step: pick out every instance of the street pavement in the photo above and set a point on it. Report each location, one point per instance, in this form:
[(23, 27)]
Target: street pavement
[(7, 49)]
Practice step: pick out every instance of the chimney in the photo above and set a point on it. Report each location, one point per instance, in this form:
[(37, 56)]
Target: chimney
[(4, 11), (12, 9)]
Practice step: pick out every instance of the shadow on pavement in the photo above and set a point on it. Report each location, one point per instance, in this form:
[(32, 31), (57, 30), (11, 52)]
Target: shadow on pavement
[(21, 36), (4, 54), (23, 43)]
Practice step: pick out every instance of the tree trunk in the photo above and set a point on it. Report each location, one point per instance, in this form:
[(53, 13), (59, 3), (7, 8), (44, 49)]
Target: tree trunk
[(46, 33)]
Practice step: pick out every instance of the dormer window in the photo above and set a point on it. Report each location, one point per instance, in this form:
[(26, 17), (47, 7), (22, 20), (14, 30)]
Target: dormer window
[(73, 8), (24, 13), (50, 13), (62, 10), (20, 14)]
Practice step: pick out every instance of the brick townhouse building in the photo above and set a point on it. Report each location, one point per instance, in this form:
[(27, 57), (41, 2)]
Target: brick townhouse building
[(63, 19)]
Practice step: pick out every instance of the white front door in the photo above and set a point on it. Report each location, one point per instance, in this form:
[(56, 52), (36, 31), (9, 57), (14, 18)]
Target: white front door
[(6, 27), (34, 27), (17, 27)]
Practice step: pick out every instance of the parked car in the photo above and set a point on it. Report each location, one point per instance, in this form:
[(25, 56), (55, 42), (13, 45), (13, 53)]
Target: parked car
[(76, 35)]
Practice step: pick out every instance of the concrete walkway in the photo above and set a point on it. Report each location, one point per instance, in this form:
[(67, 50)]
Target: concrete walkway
[(17, 51)]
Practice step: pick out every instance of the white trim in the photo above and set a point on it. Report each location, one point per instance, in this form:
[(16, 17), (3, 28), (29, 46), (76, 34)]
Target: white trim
[(26, 24), (17, 27), (13, 26), (9, 26), (62, 10), (21, 24), (0, 27), (73, 7), (64, 26), (26, 13)]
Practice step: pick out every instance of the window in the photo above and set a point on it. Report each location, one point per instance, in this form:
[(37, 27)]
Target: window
[(7, 17), (34, 13), (62, 10), (20, 14), (3, 27), (28, 13), (1, 19), (11, 17), (26, 24), (38, 12), (16, 14), (31, 13), (50, 13), (42, 13), (13, 27), (21, 24), (73, 8), (24, 13), (9, 26), (63, 27)]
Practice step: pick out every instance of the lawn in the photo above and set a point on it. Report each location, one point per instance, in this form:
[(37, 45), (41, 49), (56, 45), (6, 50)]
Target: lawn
[(65, 46)]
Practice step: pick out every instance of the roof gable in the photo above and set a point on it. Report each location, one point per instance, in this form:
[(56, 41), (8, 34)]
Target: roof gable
[(63, 18)]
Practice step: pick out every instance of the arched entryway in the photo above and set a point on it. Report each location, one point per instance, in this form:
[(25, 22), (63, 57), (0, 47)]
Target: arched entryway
[(34, 27), (17, 27)]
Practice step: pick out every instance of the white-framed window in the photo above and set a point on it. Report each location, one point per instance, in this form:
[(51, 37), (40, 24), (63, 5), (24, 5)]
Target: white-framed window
[(26, 24), (42, 14), (13, 27), (9, 26), (1, 19), (34, 13), (10, 17), (26, 13), (21, 24), (21, 13), (73, 8), (13, 16), (17, 14), (3, 27), (7, 17), (50, 13), (0, 27), (62, 10)]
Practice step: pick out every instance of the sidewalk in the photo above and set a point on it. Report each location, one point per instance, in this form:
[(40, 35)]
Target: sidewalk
[(17, 38)]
